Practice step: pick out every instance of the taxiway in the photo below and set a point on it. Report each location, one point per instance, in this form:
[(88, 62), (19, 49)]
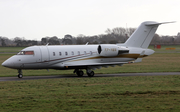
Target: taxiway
[(85, 76)]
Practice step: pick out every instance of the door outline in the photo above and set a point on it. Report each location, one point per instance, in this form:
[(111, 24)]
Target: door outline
[(44, 54)]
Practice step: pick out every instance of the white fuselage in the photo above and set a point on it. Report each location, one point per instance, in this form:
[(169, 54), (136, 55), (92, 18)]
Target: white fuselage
[(73, 56)]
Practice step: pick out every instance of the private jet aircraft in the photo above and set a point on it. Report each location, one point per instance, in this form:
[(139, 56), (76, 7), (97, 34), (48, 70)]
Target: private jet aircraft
[(88, 57)]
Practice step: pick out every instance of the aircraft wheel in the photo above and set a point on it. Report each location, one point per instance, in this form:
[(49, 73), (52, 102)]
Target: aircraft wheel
[(20, 75), (91, 74), (80, 73)]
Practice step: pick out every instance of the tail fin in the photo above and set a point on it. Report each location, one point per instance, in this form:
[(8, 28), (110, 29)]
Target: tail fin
[(143, 34)]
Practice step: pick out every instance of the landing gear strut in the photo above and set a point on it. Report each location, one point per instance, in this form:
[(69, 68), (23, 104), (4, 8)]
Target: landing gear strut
[(20, 75)]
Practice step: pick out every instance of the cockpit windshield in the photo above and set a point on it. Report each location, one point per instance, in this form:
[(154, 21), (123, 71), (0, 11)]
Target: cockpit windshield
[(26, 53)]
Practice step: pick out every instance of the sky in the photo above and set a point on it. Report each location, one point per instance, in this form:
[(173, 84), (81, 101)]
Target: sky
[(35, 19)]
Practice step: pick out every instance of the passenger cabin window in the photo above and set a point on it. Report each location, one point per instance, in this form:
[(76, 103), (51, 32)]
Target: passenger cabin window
[(66, 53), (54, 54), (72, 53), (78, 52), (60, 54), (91, 52), (85, 52), (26, 53)]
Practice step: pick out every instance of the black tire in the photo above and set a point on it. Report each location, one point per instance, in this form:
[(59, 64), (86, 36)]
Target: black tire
[(91, 74), (20, 76), (80, 73)]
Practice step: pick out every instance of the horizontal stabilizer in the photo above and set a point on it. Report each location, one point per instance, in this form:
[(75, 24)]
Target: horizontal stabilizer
[(150, 24)]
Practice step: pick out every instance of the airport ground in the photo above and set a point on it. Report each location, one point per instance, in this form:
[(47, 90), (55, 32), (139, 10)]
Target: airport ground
[(132, 93)]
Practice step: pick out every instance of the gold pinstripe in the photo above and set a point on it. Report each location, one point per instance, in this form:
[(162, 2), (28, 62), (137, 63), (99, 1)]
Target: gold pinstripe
[(135, 56)]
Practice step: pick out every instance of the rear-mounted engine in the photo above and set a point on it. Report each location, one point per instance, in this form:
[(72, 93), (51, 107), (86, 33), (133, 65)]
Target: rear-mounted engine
[(111, 50)]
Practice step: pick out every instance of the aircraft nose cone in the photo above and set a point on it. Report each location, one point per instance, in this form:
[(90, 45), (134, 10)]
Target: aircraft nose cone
[(5, 64), (8, 64)]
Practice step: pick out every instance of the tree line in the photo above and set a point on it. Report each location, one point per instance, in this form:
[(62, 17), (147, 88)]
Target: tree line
[(111, 36)]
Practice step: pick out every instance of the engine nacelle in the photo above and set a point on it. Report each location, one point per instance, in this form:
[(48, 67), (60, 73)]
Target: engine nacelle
[(111, 50)]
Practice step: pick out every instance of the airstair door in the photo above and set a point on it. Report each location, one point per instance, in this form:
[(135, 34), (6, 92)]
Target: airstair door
[(44, 54)]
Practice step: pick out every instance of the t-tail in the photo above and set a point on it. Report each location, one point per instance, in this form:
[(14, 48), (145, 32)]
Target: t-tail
[(143, 34)]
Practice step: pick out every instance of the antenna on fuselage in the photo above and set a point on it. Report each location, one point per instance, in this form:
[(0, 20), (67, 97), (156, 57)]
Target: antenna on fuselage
[(87, 43), (47, 44)]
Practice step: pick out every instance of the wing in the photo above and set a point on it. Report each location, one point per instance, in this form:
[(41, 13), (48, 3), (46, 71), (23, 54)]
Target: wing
[(96, 64)]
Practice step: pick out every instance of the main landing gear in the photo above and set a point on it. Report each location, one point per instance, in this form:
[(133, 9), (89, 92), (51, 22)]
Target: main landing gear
[(20, 75), (90, 73), (80, 73)]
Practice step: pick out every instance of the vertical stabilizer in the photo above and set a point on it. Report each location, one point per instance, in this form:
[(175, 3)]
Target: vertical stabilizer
[(143, 34)]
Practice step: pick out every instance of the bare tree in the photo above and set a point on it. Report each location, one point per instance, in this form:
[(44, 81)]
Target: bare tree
[(67, 39), (80, 40), (130, 31), (53, 40), (18, 41), (156, 39), (3, 42), (177, 38)]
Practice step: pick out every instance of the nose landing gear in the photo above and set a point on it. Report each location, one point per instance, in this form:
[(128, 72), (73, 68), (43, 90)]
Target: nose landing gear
[(20, 75)]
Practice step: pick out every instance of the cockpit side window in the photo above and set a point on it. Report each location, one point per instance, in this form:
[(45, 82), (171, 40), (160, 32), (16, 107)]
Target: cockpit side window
[(26, 53), (20, 53), (29, 53)]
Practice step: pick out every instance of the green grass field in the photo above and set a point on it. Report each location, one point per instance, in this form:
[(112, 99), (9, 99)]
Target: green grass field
[(10, 49), (104, 94), (136, 93)]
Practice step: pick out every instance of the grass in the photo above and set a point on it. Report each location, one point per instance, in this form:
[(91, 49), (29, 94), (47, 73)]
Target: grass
[(104, 94), (138, 93), (10, 49), (163, 49)]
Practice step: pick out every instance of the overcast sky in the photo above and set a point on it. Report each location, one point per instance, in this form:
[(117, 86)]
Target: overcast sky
[(34, 19)]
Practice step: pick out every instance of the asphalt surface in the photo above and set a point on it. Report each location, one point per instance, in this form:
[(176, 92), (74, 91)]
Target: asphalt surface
[(85, 76)]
